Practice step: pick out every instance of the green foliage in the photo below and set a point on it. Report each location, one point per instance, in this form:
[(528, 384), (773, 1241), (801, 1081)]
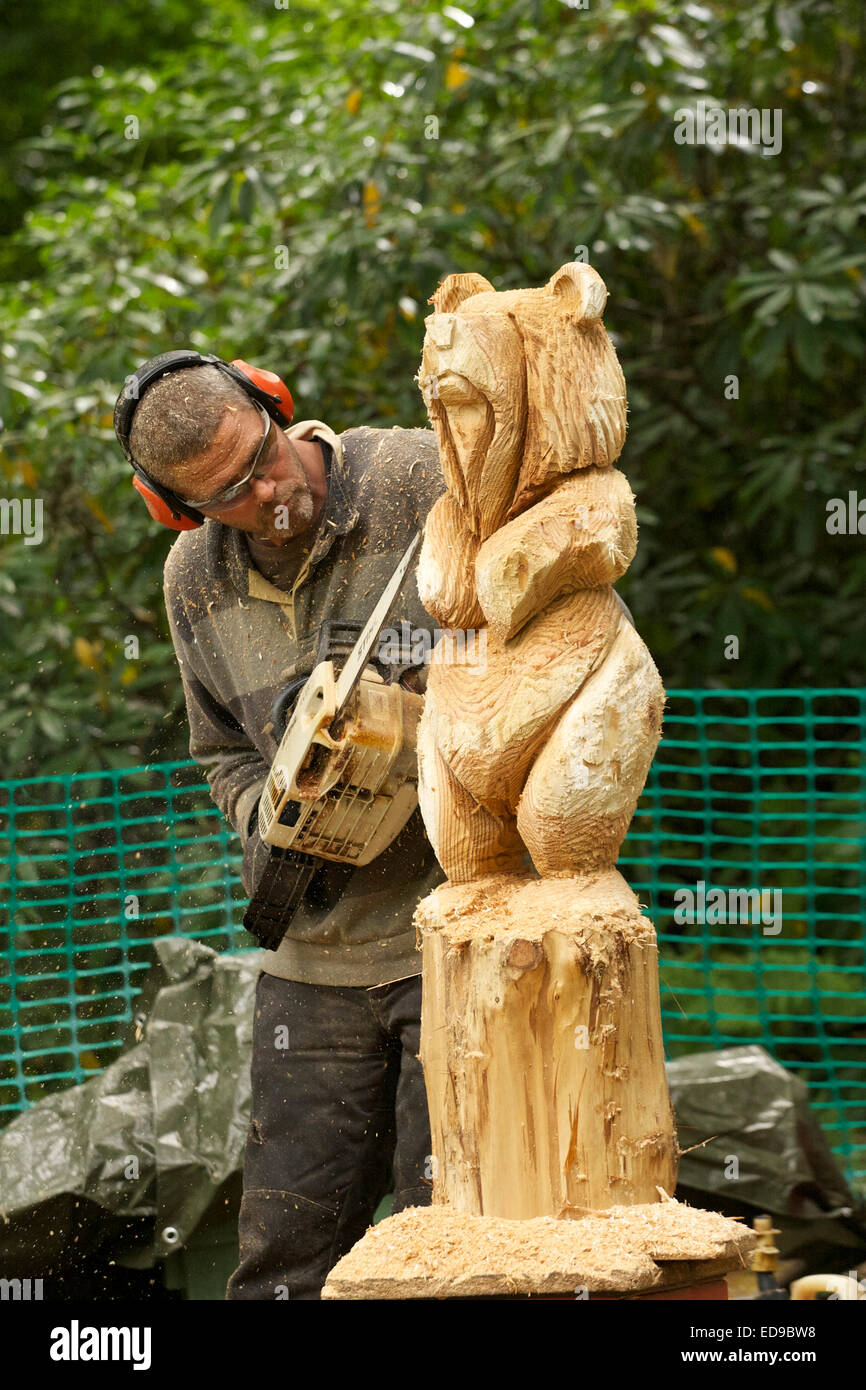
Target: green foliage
[(289, 199), (53, 42)]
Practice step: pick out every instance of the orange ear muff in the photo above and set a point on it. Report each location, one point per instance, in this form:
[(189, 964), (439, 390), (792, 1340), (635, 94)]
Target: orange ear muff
[(161, 510), (271, 384)]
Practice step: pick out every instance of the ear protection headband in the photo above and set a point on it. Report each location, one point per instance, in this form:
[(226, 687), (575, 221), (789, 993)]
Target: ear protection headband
[(265, 387)]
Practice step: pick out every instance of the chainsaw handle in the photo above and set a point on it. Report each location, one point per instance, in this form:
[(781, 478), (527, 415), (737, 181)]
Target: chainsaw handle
[(283, 705), (336, 640), (335, 644)]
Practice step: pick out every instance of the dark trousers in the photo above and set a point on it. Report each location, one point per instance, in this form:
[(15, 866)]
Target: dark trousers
[(339, 1114)]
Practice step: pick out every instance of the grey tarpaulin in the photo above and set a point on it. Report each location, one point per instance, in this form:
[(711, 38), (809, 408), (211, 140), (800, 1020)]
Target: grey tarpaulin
[(142, 1149), (756, 1113), (145, 1148), (200, 1039)]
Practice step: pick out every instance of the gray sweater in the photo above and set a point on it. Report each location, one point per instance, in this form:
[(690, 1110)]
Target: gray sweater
[(239, 640)]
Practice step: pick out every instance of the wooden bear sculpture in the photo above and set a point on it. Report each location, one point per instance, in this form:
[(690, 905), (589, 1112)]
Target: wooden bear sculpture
[(554, 1149), (541, 1038)]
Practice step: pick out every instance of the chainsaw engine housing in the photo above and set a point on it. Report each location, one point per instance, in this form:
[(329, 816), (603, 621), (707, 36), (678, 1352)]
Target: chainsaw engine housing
[(342, 788)]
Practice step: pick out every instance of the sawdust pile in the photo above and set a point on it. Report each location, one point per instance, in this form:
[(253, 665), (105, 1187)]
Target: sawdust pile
[(436, 1252)]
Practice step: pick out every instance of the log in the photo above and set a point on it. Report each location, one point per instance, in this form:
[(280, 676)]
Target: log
[(542, 1049), (541, 1033)]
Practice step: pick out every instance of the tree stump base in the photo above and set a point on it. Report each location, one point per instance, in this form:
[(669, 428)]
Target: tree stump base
[(542, 1047), (434, 1252)]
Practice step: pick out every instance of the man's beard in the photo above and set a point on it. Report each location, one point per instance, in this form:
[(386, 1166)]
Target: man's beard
[(282, 521)]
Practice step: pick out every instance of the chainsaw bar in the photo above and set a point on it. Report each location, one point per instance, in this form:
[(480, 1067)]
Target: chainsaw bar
[(372, 630)]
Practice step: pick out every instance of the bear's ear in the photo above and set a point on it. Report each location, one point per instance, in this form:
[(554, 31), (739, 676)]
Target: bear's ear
[(455, 288), (582, 286)]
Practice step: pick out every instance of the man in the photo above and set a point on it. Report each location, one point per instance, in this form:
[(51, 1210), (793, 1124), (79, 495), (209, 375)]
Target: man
[(303, 526)]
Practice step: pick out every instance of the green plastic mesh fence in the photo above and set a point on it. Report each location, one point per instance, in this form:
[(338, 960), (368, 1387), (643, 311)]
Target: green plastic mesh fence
[(746, 850)]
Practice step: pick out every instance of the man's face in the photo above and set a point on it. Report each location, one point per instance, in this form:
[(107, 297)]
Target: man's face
[(279, 505)]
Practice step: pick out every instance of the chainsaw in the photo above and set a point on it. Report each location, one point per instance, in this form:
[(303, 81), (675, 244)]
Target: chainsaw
[(344, 780)]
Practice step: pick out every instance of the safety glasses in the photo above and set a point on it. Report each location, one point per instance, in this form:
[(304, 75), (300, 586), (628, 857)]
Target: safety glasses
[(238, 491)]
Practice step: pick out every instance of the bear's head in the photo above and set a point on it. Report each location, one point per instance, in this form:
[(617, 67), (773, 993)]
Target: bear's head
[(500, 371)]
